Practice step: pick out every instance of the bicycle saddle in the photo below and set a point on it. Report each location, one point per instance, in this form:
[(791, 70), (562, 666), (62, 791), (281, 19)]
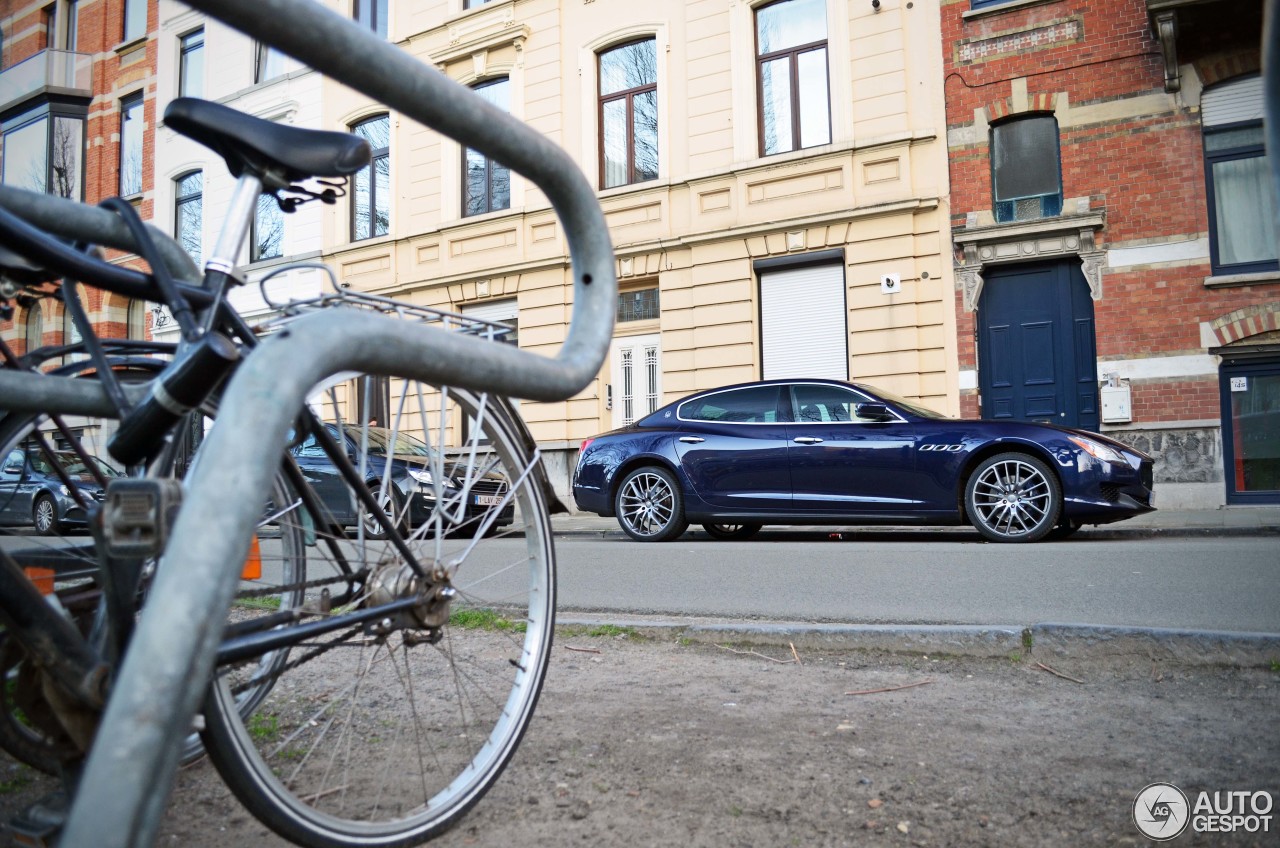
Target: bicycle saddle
[(278, 153)]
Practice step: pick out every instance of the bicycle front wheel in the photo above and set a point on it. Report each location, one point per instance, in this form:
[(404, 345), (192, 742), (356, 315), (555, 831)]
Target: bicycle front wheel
[(384, 731)]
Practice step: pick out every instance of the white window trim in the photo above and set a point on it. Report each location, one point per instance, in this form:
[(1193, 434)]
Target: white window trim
[(589, 72)]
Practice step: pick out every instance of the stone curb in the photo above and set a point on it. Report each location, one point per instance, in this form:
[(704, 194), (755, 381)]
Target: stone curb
[(1165, 646), (855, 533)]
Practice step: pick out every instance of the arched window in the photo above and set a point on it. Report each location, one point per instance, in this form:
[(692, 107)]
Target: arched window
[(34, 328), (486, 184), (188, 212), (628, 77), (136, 319), (371, 186)]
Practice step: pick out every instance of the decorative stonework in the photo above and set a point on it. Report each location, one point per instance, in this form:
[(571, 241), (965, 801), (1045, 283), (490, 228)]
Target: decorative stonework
[(1027, 241), (1249, 321), (1021, 41), (1180, 456)]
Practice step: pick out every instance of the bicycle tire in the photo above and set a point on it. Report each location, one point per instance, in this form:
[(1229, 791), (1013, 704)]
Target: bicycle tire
[(441, 705), (28, 730)]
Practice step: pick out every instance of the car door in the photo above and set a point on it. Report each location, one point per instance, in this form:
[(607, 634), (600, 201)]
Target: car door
[(318, 470), (733, 449), (10, 481), (843, 463)]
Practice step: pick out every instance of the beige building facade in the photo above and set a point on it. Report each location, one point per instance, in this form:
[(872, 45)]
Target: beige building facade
[(774, 177)]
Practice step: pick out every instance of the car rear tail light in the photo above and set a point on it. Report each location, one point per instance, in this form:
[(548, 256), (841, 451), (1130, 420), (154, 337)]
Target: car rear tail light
[(585, 444)]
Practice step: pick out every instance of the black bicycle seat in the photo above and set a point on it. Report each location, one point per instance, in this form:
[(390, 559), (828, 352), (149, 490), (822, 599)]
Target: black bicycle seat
[(277, 153)]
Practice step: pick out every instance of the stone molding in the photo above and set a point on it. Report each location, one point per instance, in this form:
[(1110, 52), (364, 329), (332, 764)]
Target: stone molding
[(1027, 241)]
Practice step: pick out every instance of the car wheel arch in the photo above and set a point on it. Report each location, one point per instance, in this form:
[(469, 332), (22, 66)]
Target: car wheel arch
[(647, 460), (990, 449)]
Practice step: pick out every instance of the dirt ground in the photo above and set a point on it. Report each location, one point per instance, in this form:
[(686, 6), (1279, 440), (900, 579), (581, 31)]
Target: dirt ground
[(655, 742)]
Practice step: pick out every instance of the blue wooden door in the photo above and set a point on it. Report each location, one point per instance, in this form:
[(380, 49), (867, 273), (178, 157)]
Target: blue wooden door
[(1037, 359)]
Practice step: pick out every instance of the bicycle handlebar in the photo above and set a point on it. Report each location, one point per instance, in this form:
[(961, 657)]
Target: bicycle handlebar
[(353, 55)]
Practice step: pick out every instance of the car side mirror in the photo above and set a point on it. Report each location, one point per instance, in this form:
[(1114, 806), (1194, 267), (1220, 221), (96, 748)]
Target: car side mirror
[(873, 411)]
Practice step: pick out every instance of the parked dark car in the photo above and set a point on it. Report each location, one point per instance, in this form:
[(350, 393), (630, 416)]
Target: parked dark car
[(469, 493), (828, 452), (32, 493)]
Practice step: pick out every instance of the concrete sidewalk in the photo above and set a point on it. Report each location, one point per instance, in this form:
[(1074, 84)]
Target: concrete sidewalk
[(1225, 521)]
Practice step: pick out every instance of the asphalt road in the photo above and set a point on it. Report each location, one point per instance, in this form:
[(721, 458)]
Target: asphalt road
[(1228, 584), (1209, 583)]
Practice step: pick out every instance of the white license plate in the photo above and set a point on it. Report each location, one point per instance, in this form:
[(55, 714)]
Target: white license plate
[(488, 500)]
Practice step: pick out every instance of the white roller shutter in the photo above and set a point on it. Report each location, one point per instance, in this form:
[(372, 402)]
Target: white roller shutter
[(1232, 102), (497, 311), (803, 323)]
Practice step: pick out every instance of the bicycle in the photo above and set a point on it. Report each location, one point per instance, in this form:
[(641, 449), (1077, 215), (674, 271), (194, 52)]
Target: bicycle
[(175, 643)]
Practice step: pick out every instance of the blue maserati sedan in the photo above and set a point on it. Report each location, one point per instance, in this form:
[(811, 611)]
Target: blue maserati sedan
[(828, 452)]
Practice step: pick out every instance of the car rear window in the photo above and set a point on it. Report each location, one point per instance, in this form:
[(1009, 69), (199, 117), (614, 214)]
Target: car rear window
[(756, 405)]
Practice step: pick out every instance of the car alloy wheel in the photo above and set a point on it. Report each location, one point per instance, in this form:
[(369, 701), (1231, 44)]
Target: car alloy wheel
[(650, 507), (45, 516), (1013, 497)]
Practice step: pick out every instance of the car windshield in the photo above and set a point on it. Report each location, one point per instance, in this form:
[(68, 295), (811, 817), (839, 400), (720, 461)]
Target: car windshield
[(909, 405), (380, 440)]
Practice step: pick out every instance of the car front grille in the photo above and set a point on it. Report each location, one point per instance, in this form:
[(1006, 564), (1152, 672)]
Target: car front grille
[(486, 487), (1111, 492)]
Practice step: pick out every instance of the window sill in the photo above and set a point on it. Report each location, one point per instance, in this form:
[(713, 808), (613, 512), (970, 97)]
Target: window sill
[(125, 48), (1226, 281), (998, 8)]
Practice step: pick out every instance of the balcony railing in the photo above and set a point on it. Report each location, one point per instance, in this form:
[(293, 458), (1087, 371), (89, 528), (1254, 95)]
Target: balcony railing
[(49, 71)]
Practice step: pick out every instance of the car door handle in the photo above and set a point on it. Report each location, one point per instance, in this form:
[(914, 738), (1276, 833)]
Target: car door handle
[(692, 440), (807, 440)]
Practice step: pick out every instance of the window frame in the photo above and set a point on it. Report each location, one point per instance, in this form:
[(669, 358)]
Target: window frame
[(629, 95), (262, 54), (377, 23), (379, 153), (1005, 211), (1234, 154), (491, 167), (127, 104), (33, 326), (50, 113), (185, 51), (625, 313), (130, 19), (793, 54), (266, 201), (180, 201)]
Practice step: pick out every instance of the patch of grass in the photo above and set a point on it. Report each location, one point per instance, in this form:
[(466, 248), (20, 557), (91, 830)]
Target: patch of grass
[(17, 784), (735, 811), (1275, 666), (612, 630), (1027, 639), (264, 727), (267, 603), (485, 619), (1015, 657)]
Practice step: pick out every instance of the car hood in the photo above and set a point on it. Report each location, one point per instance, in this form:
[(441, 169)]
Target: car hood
[(454, 469)]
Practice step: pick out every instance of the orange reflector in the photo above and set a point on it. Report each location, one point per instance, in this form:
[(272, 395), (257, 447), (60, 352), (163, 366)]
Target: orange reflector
[(43, 578), (253, 563)]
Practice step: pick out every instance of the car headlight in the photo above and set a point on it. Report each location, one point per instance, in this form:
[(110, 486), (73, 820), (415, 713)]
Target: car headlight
[(1099, 451), (426, 478)]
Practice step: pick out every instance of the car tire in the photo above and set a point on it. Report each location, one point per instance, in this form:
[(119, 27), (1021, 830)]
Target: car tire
[(649, 505), (731, 532), (44, 516), (1013, 497), (390, 505)]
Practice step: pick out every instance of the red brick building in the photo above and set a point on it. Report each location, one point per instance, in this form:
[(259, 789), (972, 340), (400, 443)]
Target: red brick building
[(77, 95), (1115, 241)]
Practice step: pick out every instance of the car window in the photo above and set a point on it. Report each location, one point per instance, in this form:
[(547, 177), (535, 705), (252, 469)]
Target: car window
[(818, 404), (310, 449), (756, 405)]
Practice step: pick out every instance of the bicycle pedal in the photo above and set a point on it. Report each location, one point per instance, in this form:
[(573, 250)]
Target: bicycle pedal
[(138, 514), (38, 825)]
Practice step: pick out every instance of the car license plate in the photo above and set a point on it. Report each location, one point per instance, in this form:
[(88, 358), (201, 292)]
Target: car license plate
[(488, 500)]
